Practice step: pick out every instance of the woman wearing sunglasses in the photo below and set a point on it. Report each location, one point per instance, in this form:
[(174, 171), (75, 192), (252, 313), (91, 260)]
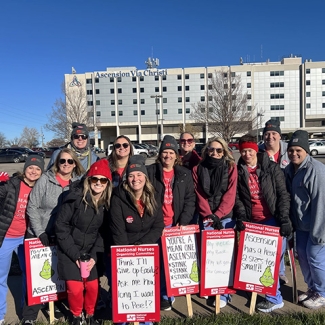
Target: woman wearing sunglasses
[(135, 214), (77, 231), (215, 181), (118, 159), (44, 202), (189, 156)]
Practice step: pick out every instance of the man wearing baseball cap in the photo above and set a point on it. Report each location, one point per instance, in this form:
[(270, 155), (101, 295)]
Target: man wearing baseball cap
[(305, 182)]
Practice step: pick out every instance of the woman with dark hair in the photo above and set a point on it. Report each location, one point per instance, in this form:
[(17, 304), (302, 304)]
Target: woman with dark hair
[(77, 231), (215, 182), (189, 156), (44, 202), (174, 184), (119, 157), (14, 195), (136, 199)]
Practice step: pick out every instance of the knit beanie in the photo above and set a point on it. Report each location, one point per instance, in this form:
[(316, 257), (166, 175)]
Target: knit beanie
[(36, 161), (169, 142), (100, 167), (79, 128), (136, 163), (272, 125), (300, 138)]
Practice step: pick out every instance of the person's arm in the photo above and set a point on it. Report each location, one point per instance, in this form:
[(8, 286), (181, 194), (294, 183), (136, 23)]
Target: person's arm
[(227, 201), (202, 204), (117, 222), (63, 230), (33, 206)]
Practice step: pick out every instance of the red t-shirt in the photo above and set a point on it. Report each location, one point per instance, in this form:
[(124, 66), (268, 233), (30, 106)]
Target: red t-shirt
[(274, 157), (260, 210), (168, 211), (19, 222), (140, 207), (62, 182)]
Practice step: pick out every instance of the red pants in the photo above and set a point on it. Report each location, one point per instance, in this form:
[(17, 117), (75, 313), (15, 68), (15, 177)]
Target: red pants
[(82, 295)]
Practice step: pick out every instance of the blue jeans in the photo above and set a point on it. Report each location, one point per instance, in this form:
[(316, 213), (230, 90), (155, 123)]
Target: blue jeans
[(277, 299), (9, 246), (226, 223), (311, 259)]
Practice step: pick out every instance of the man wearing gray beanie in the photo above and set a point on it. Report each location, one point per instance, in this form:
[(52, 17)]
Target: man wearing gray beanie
[(305, 182)]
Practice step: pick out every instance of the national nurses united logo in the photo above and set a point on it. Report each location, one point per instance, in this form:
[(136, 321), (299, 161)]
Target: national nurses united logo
[(129, 219)]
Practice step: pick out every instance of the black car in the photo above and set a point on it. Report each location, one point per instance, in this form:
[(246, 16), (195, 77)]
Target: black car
[(8, 155), (28, 152)]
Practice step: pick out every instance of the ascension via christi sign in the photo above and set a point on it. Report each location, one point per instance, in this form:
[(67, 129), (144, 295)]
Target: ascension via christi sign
[(131, 73)]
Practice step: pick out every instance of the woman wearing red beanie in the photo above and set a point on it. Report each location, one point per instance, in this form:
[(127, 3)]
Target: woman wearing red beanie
[(77, 230)]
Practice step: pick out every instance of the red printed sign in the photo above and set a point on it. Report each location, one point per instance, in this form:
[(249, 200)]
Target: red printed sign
[(258, 261), (180, 254), (135, 283), (217, 262), (43, 283)]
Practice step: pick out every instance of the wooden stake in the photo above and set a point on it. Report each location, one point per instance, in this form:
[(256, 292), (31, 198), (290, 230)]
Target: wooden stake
[(217, 304), (253, 303), (189, 305), (135, 323), (51, 311)]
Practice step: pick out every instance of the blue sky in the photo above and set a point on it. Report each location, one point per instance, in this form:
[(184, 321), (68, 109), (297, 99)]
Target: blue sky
[(42, 40)]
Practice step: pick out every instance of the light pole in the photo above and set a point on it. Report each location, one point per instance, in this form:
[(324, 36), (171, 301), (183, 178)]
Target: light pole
[(259, 115), (156, 100)]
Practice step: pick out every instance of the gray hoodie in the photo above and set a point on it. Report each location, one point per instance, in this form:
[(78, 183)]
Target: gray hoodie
[(284, 159), (307, 190), (44, 201)]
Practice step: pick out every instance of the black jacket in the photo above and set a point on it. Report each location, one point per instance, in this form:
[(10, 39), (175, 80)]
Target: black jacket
[(184, 197), (272, 182), (126, 224), (9, 192), (77, 232)]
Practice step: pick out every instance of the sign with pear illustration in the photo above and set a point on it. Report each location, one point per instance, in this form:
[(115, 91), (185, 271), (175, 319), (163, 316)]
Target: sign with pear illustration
[(258, 261), (181, 260)]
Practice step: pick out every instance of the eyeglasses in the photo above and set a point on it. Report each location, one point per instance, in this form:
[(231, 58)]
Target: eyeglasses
[(69, 161), (217, 150), (119, 145), (103, 181), (189, 141), (82, 136)]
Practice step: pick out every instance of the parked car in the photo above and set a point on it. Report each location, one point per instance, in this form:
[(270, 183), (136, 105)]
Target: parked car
[(317, 148), (233, 145), (29, 152), (98, 150), (8, 155)]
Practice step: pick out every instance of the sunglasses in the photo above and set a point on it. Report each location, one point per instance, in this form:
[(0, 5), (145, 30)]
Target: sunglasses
[(118, 145), (82, 136), (103, 181), (69, 161), (189, 141), (217, 150)]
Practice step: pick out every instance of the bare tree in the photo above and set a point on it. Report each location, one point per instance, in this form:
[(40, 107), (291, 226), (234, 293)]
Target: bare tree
[(3, 140), (29, 137), (15, 142), (225, 112), (73, 108), (55, 143), (191, 128)]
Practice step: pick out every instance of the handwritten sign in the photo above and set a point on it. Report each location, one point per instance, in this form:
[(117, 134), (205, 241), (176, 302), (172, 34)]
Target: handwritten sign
[(217, 262), (43, 282), (135, 283), (259, 254), (180, 255)]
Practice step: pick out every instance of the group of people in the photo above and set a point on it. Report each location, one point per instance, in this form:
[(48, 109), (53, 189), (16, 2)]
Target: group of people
[(85, 205)]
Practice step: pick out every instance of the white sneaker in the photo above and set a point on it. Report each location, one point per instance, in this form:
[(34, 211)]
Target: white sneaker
[(222, 303), (315, 301), (306, 295)]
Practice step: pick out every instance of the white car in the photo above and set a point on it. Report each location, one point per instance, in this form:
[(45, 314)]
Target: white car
[(140, 151), (317, 148)]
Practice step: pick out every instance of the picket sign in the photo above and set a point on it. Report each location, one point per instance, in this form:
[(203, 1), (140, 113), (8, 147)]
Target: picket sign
[(43, 282), (135, 283), (218, 251), (258, 261), (181, 263)]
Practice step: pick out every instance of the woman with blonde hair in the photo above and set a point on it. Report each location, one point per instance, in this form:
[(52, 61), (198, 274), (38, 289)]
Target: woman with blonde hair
[(119, 157), (215, 182), (77, 231), (44, 203)]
